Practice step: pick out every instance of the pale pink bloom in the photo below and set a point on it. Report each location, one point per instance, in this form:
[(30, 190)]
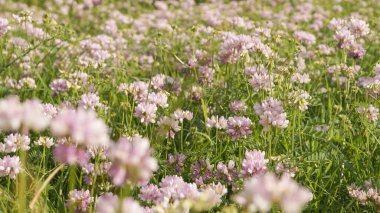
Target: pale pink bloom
[(217, 122), (70, 154), (11, 113), (139, 90), (159, 99), (239, 127), (174, 187), (370, 112), (300, 78), (358, 28), (109, 203), (49, 110), (238, 106), (34, 117), (4, 26), (90, 101), (262, 191), (14, 142), (60, 85), (146, 112), (168, 127), (151, 194), (345, 38), (45, 142), (300, 99), (84, 127), (132, 161), (305, 37), (254, 163), (206, 75), (27, 82), (80, 199), (271, 113), (159, 81), (10, 165), (180, 115)]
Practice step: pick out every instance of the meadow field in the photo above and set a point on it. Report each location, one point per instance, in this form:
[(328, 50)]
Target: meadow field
[(146, 106)]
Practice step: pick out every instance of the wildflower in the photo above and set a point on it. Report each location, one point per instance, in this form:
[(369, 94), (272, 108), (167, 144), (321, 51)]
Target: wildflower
[(254, 163), (89, 101), (217, 122), (196, 93), (158, 81), (159, 99), (356, 51), (59, 85), (146, 112), (45, 142), (80, 199), (201, 171), (300, 78), (259, 79), (168, 127), (300, 99), (4, 26), (151, 194), (358, 28), (49, 110), (139, 90), (14, 142), (238, 127), (370, 112), (238, 106), (10, 166), (227, 173), (305, 37), (131, 161), (27, 82), (176, 161), (260, 192), (206, 75), (82, 126), (180, 115), (28, 115), (271, 114), (71, 155), (322, 128), (174, 187), (345, 38), (109, 203)]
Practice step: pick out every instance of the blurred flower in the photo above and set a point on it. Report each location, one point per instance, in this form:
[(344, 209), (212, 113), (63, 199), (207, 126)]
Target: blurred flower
[(238, 106), (260, 192), (70, 154), (132, 161), (109, 203), (82, 126), (90, 101), (168, 127), (370, 112), (10, 165), (4, 26)]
